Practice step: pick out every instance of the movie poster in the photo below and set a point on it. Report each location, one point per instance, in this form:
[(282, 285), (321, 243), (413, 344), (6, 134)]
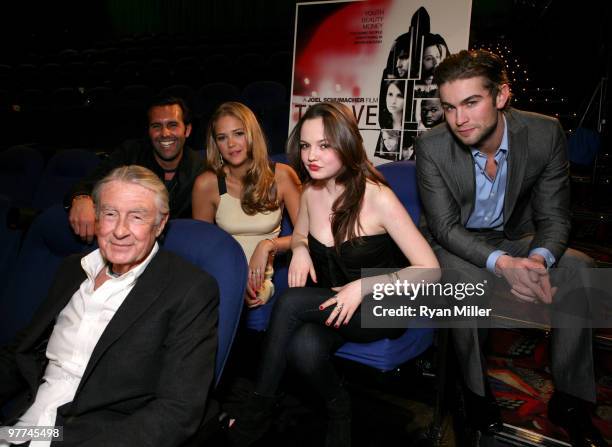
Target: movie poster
[(377, 57)]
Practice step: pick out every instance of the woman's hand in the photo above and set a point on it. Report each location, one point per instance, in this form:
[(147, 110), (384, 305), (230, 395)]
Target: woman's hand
[(300, 267), (250, 298), (257, 266), (347, 300)]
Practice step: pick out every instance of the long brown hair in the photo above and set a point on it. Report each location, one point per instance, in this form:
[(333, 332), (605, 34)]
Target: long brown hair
[(259, 193), (343, 135)]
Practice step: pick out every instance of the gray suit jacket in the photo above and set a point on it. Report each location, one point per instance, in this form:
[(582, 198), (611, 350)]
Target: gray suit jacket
[(537, 190), (148, 379)]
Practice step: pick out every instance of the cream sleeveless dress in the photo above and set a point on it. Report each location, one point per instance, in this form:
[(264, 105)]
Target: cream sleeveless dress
[(248, 230)]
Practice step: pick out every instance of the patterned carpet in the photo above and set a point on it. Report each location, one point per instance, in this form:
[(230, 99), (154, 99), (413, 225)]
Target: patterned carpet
[(522, 383)]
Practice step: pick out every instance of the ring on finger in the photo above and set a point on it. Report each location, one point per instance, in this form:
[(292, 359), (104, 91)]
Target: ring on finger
[(339, 307)]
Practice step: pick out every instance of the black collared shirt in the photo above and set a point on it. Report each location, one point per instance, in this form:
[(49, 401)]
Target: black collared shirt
[(140, 152)]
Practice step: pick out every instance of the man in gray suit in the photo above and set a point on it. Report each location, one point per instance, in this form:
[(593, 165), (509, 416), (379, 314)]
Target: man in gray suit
[(495, 189)]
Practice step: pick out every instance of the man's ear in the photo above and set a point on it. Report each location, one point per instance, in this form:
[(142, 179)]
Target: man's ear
[(161, 225), (502, 96), (187, 130)]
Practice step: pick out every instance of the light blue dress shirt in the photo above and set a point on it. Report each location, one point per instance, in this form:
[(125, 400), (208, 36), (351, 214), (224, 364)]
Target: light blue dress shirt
[(488, 210)]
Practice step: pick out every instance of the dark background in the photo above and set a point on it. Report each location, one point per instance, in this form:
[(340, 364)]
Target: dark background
[(563, 45), (557, 53)]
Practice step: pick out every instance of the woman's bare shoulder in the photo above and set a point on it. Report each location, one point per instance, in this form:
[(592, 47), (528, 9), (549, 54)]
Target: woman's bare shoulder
[(207, 181), (380, 196), (284, 172)]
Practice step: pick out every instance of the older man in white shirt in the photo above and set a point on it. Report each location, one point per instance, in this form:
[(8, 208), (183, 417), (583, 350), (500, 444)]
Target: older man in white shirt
[(130, 355)]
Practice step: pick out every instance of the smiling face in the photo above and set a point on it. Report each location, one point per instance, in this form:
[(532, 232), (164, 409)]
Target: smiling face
[(320, 159), (472, 114), (168, 133), (394, 99), (231, 139), (128, 223)]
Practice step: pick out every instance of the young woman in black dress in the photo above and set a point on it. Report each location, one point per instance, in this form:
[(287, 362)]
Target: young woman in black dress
[(349, 219)]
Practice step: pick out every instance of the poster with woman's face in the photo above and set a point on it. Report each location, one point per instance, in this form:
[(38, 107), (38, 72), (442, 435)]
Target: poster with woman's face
[(392, 98), (378, 58)]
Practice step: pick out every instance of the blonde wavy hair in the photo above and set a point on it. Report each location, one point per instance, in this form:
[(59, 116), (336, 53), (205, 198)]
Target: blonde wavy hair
[(259, 194)]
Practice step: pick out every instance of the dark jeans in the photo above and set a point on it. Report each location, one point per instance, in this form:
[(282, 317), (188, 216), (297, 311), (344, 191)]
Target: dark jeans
[(297, 333)]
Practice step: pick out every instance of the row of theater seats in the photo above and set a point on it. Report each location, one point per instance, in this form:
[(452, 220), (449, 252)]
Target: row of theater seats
[(29, 185), (150, 45), (102, 115), (257, 95), (168, 48), (152, 65), (50, 239), (26, 181), (19, 81)]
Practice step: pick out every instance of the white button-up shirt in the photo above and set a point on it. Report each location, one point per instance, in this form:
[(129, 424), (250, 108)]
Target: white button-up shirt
[(77, 330)]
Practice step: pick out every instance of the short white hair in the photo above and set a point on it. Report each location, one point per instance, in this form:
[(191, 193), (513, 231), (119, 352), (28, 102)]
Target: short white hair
[(137, 175)]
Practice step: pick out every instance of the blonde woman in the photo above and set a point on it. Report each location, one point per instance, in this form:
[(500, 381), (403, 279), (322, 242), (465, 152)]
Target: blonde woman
[(244, 193)]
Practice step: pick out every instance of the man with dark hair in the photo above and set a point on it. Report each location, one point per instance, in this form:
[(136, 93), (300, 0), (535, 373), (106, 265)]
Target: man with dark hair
[(122, 351), (398, 63), (164, 152), (402, 64), (495, 189), (472, 64)]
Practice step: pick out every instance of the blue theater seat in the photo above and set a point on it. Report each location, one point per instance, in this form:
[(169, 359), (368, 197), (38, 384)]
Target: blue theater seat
[(183, 91), (212, 95), (48, 241), (387, 354), (9, 243), (20, 169), (264, 94), (63, 170), (401, 176), (216, 252)]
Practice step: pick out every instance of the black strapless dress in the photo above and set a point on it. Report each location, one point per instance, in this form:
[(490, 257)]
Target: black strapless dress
[(337, 267)]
